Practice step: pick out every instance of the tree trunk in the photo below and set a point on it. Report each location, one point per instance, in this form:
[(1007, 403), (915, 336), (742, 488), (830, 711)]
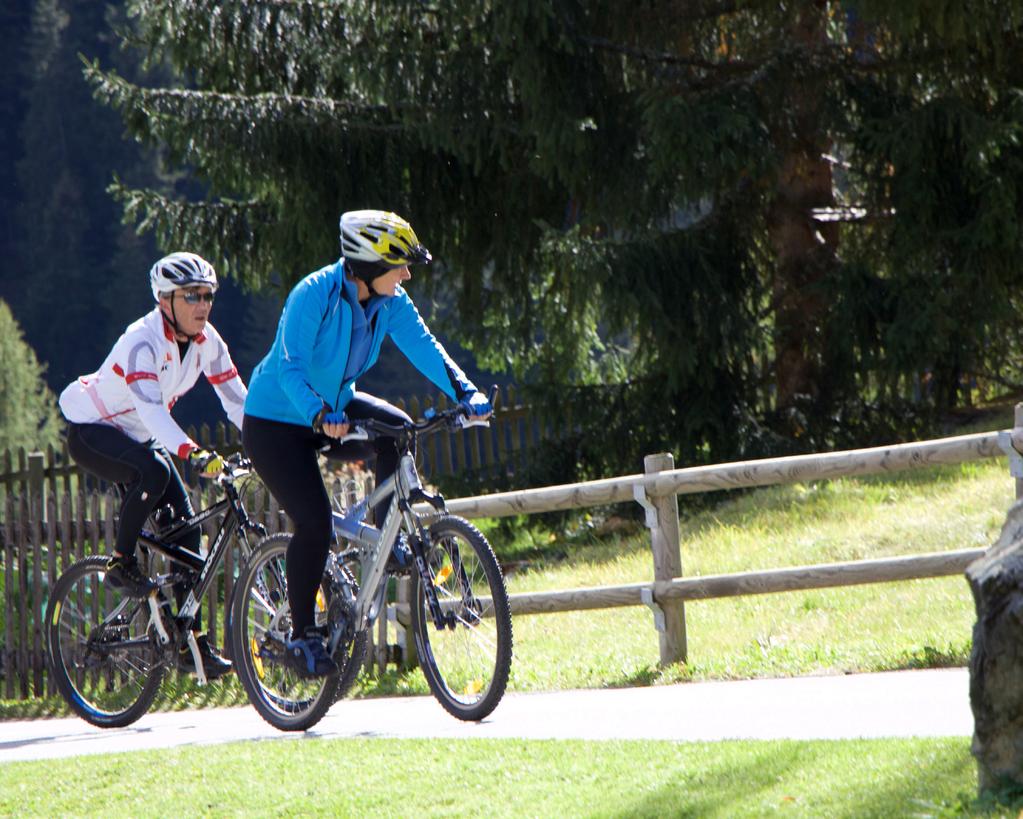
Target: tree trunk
[(804, 249), (996, 661)]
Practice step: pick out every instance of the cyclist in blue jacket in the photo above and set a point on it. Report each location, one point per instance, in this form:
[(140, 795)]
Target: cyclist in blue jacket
[(302, 396)]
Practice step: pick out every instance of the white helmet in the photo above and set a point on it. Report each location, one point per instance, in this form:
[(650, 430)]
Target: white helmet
[(181, 270)]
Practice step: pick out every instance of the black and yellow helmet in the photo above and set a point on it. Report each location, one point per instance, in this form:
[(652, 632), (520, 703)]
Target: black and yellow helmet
[(380, 239)]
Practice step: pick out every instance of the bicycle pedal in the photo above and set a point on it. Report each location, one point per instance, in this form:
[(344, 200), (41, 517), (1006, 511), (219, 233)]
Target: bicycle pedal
[(272, 651)]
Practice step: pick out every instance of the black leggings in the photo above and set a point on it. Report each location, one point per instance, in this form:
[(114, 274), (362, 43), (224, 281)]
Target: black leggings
[(148, 475), (285, 456)]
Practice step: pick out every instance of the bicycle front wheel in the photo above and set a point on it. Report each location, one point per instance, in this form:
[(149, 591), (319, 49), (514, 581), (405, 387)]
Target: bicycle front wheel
[(467, 660), (103, 660), (260, 624)]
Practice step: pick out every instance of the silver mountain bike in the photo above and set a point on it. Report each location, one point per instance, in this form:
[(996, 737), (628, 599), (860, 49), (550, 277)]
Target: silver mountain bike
[(459, 612)]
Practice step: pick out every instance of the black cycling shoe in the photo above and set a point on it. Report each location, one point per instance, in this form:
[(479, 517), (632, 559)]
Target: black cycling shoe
[(124, 573), (400, 558), (307, 656), (212, 663)]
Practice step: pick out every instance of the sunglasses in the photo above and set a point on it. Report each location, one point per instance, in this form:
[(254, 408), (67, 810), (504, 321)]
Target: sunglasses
[(194, 297)]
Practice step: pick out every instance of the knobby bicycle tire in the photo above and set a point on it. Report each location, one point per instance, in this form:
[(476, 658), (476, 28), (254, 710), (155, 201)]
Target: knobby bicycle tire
[(466, 666), (260, 622), (351, 663), (103, 661)]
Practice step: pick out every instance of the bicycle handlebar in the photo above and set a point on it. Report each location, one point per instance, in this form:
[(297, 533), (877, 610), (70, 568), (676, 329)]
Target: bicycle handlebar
[(236, 466), (454, 418)]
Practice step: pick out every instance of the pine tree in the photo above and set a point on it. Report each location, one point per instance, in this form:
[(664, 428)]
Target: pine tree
[(79, 275), (14, 26), (28, 410), (709, 223)]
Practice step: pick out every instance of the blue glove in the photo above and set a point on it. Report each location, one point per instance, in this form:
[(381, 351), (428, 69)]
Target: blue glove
[(327, 416), (476, 404)]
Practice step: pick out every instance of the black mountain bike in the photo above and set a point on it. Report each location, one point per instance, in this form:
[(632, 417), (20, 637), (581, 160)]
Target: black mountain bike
[(108, 651), (459, 610)]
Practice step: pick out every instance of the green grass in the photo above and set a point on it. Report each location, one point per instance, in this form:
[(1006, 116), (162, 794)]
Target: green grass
[(372, 777)]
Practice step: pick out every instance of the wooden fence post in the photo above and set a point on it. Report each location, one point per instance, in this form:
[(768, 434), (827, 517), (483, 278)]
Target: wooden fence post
[(10, 597), (32, 605), (36, 474), (662, 520), (405, 638)]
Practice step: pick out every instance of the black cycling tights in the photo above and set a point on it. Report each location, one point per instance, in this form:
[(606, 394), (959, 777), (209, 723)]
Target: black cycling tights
[(147, 473), (284, 455)]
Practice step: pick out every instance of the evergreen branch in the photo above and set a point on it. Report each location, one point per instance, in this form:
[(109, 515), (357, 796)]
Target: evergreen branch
[(208, 7), (151, 210), (236, 231), (835, 56), (207, 10), (141, 105), (996, 377), (668, 58), (247, 46), (706, 9), (851, 213)]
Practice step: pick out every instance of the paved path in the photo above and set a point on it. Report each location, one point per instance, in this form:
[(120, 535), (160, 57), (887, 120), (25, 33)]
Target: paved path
[(902, 703)]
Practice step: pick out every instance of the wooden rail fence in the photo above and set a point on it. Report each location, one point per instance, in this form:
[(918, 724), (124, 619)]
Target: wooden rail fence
[(657, 488)]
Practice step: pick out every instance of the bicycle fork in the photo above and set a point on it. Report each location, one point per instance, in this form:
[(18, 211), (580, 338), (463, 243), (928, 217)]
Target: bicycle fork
[(420, 544)]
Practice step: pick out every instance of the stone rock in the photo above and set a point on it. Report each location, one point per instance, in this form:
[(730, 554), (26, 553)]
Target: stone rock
[(996, 660)]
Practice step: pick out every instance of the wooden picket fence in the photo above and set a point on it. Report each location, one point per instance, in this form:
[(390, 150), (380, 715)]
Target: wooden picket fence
[(503, 448)]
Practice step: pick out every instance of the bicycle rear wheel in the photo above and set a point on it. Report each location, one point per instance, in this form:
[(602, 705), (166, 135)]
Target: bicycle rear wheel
[(260, 625), (466, 662), (103, 660)]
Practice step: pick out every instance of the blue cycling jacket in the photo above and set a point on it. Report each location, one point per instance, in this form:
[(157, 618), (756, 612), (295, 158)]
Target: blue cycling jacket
[(305, 367)]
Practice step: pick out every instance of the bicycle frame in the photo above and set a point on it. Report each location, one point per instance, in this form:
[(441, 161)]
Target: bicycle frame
[(236, 519), (404, 488)]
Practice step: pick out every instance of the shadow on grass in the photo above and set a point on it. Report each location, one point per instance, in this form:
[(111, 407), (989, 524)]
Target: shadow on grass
[(731, 786), (915, 791), (1002, 803), (393, 682), (820, 779), (951, 656), (180, 692)]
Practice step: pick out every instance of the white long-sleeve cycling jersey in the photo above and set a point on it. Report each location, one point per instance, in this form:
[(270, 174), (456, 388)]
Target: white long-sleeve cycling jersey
[(144, 375)]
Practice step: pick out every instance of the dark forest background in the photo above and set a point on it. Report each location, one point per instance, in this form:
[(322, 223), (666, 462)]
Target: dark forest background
[(74, 274)]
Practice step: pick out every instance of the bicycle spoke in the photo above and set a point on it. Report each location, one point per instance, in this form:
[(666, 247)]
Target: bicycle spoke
[(264, 604), (74, 613), (477, 634)]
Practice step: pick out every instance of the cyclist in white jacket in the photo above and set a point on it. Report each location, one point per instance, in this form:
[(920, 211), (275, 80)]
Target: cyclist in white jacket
[(119, 422)]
